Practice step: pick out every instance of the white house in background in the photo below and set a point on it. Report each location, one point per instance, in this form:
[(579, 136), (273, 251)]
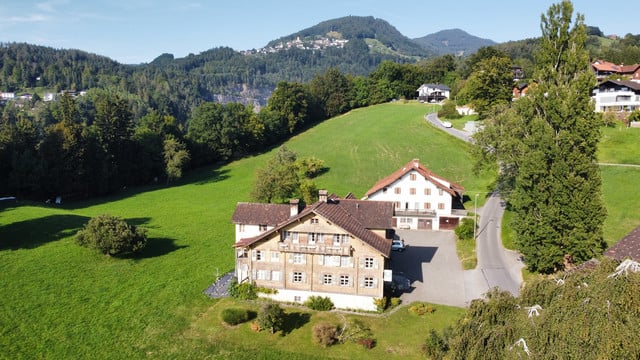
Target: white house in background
[(7, 95), (422, 199), (617, 95), (433, 92), (337, 248)]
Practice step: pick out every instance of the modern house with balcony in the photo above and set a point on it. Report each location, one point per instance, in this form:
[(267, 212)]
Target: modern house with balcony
[(617, 96), (337, 248), (433, 92), (422, 199)]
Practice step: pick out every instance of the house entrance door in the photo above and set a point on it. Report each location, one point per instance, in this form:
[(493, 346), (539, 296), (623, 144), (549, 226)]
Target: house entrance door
[(425, 224)]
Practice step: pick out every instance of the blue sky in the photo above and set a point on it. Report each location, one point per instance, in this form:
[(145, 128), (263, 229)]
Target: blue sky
[(137, 31)]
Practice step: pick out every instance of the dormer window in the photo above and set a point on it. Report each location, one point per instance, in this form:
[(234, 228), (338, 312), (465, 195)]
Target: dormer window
[(262, 228)]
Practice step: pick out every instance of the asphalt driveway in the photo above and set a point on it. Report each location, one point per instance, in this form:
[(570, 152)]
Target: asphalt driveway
[(431, 263)]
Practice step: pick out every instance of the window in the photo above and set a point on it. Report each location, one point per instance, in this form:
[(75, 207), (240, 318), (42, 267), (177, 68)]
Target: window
[(427, 205), (440, 206), (298, 258), (345, 238), (314, 220), (262, 275), (412, 177), (240, 227), (259, 255), (368, 263), (397, 190), (297, 298), (427, 191), (397, 204), (345, 280), (262, 228), (327, 279), (368, 282), (412, 191), (440, 191), (297, 277), (294, 237), (315, 237), (275, 276), (275, 256), (336, 239)]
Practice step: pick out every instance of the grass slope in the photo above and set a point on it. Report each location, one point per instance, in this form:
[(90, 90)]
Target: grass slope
[(60, 301)]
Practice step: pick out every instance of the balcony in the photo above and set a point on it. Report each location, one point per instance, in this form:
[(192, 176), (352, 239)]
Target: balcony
[(315, 249), (416, 212)]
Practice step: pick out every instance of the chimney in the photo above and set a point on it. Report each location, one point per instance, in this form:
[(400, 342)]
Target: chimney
[(322, 196), (294, 207), (416, 163)]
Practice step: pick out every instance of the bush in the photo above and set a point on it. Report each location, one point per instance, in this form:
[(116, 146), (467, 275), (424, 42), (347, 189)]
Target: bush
[(449, 111), (380, 303), (421, 309), (325, 334), (394, 302), (319, 303), (235, 316), (355, 331), (436, 346), (112, 236), (243, 291), (464, 231), (271, 317)]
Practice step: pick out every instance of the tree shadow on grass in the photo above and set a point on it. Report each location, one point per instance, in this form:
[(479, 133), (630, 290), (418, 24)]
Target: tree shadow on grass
[(32, 233), (294, 320), (155, 247)]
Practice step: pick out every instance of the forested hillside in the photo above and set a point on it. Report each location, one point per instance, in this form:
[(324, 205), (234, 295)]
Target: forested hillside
[(220, 104)]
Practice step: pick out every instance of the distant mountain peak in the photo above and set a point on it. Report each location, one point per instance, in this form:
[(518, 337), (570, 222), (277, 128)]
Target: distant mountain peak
[(453, 41)]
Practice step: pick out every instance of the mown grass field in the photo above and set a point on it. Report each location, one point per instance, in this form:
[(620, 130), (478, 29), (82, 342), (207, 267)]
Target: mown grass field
[(60, 301)]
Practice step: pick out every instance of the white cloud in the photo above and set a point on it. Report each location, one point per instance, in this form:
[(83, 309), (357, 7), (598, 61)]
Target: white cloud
[(51, 6), (27, 18)]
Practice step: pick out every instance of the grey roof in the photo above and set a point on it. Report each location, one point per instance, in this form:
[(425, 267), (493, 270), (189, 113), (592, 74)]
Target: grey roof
[(627, 248), (357, 217)]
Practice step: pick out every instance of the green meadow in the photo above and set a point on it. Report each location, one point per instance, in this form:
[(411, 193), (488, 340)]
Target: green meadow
[(61, 301)]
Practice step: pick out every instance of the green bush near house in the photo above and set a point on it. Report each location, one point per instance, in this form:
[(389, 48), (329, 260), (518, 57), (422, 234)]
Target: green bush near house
[(235, 316), (319, 303)]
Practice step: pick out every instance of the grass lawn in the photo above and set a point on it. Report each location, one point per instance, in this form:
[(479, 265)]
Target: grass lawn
[(61, 301), (399, 334), (618, 145)]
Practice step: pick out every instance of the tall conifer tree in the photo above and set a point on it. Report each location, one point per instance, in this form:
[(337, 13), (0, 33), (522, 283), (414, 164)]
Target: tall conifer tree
[(546, 145)]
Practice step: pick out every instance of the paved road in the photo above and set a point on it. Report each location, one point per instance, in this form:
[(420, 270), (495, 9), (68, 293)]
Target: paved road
[(496, 266), (462, 135)]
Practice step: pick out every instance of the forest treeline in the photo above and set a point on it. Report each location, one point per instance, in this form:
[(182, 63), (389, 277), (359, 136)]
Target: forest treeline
[(146, 123)]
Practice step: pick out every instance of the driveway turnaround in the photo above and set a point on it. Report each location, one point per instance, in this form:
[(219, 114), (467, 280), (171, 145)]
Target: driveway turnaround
[(431, 263)]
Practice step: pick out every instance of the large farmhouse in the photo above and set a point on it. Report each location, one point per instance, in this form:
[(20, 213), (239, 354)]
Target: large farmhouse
[(338, 248), (422, 199)]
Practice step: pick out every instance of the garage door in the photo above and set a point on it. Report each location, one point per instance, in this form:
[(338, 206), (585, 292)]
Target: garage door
[(425, 224), (448, 223)]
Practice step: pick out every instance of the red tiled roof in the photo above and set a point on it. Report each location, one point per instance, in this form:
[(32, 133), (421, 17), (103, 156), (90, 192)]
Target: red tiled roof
[(601, 65), (455, 190), (627, 248), (356, 217)]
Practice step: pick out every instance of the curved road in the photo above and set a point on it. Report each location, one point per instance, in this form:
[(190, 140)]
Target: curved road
[(496, 267)]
